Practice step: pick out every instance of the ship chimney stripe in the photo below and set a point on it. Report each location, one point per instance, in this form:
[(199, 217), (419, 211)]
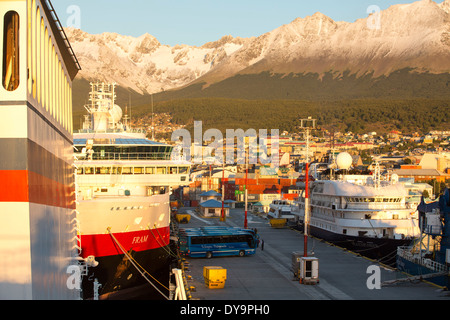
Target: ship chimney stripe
[(24, 154), (27, 186), (14, 186)]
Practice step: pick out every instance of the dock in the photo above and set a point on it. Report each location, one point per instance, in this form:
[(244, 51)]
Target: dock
[(267, 275)]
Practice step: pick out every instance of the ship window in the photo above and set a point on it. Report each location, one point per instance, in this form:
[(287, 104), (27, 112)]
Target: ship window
[(89, 170), (183, 170), (11, 51), (126, 170), (138, 170), (105, 170), (150, 170), (102, 170), (173, 170), (161, 170)]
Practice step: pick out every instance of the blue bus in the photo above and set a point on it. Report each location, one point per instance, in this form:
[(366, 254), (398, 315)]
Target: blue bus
[(217, 241)]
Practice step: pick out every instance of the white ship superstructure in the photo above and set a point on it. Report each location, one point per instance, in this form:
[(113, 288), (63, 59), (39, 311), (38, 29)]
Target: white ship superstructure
[(361, 212), (280, 209), (37, 201)]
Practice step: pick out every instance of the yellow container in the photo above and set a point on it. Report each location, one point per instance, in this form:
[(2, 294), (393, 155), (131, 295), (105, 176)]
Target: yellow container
[(278, 223), (183, 218), (214, 274)]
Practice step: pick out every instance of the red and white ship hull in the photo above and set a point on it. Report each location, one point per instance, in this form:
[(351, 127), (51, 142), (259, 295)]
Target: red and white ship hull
[(123, 206), (136, 225)]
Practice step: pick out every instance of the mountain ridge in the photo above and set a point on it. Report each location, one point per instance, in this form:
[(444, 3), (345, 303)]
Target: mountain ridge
[(422, 43), (415, 35), (143, 64)]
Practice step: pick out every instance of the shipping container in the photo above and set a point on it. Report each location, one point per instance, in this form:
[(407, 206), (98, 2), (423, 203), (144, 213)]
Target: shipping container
[(215, 277), (214, 273)]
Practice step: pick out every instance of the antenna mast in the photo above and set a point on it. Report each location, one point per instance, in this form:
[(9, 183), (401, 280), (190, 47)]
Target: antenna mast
[(307, 125)]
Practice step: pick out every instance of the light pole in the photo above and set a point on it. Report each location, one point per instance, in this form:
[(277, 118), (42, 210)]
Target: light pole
[(246, 193), (222, 217), (307, 125)]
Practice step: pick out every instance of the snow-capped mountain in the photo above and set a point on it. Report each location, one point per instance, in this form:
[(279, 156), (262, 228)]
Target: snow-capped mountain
[(415, 35), (143, 64)]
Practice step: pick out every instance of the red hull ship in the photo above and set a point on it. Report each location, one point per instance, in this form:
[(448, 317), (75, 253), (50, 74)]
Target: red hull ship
[(123, 182)]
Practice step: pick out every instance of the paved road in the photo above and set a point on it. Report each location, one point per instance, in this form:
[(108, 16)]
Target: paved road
[(267, 275)]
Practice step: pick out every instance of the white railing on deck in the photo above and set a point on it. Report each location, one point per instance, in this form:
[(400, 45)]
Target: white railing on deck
[(405, 252)]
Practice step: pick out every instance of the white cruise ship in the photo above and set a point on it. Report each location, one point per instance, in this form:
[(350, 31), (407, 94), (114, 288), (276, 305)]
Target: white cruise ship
[(123, 183), (362, 213)]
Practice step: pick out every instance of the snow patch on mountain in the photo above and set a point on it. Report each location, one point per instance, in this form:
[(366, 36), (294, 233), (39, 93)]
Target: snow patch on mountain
[(144, 64)]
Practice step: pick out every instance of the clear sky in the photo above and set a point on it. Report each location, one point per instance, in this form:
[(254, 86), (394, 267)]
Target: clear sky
[(195, 22)]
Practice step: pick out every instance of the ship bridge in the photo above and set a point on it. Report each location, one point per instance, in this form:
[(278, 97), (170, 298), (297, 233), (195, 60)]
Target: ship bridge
[(120, 147)]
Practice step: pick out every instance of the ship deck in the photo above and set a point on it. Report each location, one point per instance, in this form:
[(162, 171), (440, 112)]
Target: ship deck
[(267, 275)]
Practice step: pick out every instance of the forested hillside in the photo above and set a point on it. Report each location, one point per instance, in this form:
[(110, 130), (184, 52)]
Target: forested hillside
[(358, 115), (404, 100)]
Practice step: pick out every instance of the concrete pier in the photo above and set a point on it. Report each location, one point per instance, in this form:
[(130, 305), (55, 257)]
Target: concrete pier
[(267, 275)]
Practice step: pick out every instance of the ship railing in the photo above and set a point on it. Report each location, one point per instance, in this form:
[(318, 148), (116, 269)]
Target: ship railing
[(131, 156), (128, 130), (374, 206), (405, 252)]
